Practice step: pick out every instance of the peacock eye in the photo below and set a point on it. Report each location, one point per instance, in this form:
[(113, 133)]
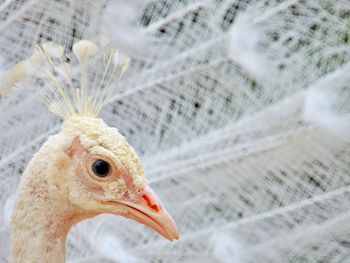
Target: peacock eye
[(100, 168)]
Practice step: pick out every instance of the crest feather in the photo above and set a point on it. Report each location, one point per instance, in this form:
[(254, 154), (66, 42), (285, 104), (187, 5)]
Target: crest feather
[(70, 95), (78, 86), (23, 69)]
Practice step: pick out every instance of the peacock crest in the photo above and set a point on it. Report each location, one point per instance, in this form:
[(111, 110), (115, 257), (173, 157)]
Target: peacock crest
[(73, 85)]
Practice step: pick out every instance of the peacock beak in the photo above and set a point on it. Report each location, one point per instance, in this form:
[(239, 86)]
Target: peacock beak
[(147, 209)]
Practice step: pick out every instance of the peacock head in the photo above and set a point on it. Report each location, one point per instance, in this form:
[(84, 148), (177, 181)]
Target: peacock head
[(95, 170), (106, 176)]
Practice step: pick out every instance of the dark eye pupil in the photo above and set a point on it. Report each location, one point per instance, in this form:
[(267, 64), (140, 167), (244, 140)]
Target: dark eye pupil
[(101, 168)]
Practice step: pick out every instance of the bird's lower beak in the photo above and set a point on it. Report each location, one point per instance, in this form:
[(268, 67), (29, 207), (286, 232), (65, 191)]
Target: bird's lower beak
[(148, 210)]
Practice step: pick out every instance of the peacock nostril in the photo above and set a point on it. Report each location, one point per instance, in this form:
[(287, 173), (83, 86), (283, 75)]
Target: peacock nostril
[(150, 204)]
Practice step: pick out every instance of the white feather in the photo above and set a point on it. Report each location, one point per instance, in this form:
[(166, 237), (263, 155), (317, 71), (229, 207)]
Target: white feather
[(319, 112), (110, 246), (119, 26), (244, 47), (2, 73), (226, 248), (8, 207)]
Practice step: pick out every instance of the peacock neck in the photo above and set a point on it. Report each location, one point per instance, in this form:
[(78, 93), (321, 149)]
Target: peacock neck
[(39, 227), (41, 218)]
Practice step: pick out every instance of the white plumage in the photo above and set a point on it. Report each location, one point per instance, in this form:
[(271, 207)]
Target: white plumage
[(239, 110), (320, 109)]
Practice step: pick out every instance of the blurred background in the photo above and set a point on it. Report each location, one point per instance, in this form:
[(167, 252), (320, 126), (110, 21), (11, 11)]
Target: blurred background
[(239, 110)]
